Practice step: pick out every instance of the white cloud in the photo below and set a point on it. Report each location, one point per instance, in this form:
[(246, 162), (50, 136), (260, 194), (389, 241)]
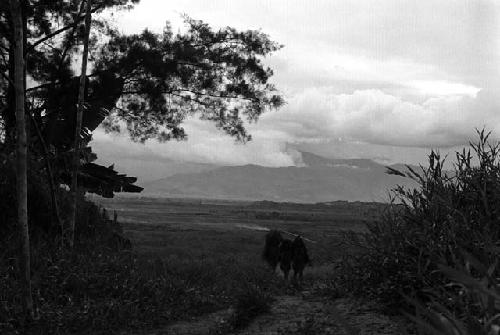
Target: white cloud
[(375, 117), (205, 144), (442, 87)]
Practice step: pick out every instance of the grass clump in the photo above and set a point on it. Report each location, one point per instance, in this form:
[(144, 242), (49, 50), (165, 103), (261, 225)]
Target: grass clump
[(436, 251), (251, 303)]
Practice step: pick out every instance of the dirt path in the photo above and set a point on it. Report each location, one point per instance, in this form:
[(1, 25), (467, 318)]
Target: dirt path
[(302, 313), (202, 325), (311, 314)]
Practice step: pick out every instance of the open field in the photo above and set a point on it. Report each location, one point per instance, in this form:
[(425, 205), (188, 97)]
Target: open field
[(215, 248), (204, 228)]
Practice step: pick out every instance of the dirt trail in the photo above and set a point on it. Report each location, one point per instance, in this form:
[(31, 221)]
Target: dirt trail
[(202, 325), (312, 314), (302, 313)]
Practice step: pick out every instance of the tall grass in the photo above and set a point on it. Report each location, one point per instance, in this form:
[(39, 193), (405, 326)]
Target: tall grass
[(436, 252), (101, 291)]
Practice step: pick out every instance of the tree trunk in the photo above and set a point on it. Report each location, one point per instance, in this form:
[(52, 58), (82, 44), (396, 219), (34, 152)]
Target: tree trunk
[(78, 128), (21, 157)]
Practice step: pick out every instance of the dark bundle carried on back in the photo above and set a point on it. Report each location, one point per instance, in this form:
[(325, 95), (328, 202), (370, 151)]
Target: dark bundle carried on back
[(300, 256), (286, 256), (271, 252)]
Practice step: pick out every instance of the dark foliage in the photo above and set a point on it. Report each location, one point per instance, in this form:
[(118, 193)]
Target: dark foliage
[(101, 180), (438, 250), (162, 79), (38, 199), (54, 31), (153, 82), (42, 222)]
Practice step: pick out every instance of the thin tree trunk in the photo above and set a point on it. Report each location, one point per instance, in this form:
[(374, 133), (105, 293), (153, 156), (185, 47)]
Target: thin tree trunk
[(21, 157), (78, 128)]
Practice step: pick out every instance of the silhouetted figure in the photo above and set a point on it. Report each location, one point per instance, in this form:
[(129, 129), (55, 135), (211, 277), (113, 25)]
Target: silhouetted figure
[(300, 258), (119, 242), (286, 253), (286, 256), (271, 252)]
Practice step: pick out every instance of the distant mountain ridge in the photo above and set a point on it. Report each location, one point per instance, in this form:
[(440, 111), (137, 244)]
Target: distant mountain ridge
[(313, 160), (319, 179)]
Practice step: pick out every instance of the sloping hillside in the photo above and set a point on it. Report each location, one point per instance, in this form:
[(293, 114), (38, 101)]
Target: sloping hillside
[(319, 179)]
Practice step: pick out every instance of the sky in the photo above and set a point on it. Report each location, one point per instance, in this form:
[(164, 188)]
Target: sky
[(386, 80)]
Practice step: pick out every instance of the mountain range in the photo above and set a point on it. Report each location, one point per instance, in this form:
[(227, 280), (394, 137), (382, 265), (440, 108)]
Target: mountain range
[(318, 179)]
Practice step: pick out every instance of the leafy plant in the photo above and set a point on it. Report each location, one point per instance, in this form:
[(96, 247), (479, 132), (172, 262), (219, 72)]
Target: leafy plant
[(476, 291), (428, 251)]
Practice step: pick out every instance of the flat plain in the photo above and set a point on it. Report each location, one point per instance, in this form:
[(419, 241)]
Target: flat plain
[(211, 228), (215, 247)]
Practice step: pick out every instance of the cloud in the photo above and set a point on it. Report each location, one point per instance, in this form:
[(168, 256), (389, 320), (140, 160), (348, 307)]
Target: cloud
[(375, 117), (318, 117), (443, 87), (205, 144)]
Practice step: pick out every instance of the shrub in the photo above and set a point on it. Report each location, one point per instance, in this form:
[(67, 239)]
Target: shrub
[(452, 217), (90, 223), (58, 276)]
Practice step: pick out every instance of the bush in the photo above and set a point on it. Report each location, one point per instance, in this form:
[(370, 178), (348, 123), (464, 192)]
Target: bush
[(58, 276), (451, 218), (90, 223), (477, 293), (38, 198)]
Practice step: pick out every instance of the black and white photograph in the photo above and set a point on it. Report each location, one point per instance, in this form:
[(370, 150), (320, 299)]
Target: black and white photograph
[(236, 167)]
